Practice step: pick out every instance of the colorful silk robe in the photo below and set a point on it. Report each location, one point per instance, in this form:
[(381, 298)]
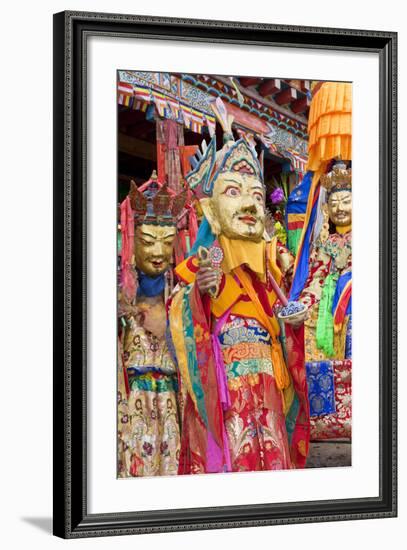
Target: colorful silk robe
[(235, 418), (149, 432), (334, 257), (329, 374)]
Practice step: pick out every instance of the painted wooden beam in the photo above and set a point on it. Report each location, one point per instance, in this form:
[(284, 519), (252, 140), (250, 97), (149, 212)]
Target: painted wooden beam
[(270, 87), (300, 105), (248, 120), (269, 102), (249, 80), (286, 96), (306, 85)]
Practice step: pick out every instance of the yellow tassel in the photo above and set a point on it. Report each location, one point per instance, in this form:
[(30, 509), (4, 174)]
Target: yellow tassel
[(280, 368)]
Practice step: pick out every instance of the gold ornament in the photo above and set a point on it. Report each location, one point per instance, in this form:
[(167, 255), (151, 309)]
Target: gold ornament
[(339, 179)]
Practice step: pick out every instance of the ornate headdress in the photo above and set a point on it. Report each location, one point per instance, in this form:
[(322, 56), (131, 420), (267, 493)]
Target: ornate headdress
[(155, 204), (239, 156), (156, 207), (339, 179)]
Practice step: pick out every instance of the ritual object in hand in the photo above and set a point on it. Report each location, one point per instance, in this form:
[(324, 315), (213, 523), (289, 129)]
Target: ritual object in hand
[(211, 257), (291, 309)]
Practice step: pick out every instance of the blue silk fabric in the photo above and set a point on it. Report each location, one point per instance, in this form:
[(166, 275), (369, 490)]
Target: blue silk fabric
[(321, 387), (348, 341), (298, 199), (340, 286), (301, 272), (150, 286), (205, 237)]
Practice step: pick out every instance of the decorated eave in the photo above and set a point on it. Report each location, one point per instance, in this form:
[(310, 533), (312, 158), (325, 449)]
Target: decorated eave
[(139, 90), (284, 103), (273, 111), (291, 98)]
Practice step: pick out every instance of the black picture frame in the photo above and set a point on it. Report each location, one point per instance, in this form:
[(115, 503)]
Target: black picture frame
[(71, 30)]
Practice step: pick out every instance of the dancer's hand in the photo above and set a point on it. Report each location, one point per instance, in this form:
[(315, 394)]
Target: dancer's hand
[(207, 279)]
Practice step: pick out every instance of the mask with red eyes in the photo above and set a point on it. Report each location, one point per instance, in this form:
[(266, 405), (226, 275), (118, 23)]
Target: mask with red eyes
[(236, 208), (229, 183)]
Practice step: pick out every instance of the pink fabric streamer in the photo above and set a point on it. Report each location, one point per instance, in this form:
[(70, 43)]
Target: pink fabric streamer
[(171, 134), (127, 226), (220, 373), (278, 290), (214, 453)]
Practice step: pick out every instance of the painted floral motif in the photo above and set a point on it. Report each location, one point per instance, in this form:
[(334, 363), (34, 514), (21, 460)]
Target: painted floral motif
[(338, 424), (148, 420), (143, 351), (200, 333), (255, 423), (153, 439)]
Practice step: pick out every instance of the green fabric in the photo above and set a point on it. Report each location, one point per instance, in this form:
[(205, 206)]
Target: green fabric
[(325, 323), (291, 417), (191, 352), (293, 240), (149, 382), (249, 366), (280, 232)]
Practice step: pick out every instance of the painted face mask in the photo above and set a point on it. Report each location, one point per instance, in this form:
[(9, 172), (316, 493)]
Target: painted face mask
[(229, 184), (340, 208), (155, 215), (236, 208), (338, 184), (153, 248)]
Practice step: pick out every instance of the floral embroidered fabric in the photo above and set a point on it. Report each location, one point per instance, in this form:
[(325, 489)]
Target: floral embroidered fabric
[(149, 432), (321, 388), (337, 425), (255, 429)]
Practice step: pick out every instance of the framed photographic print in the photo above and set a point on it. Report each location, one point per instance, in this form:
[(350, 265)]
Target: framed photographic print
[(221, 357)]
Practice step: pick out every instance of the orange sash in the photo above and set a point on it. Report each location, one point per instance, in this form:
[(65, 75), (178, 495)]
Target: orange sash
[(281, 375)]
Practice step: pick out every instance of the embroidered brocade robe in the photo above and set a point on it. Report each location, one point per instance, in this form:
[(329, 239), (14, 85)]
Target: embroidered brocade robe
[(329, 378), (149, 432), (234, 415), (333, 256)]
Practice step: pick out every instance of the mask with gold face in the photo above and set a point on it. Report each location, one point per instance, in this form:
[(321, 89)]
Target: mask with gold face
[(153, 248), (340, 208), (155, 216), (338, 184)]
